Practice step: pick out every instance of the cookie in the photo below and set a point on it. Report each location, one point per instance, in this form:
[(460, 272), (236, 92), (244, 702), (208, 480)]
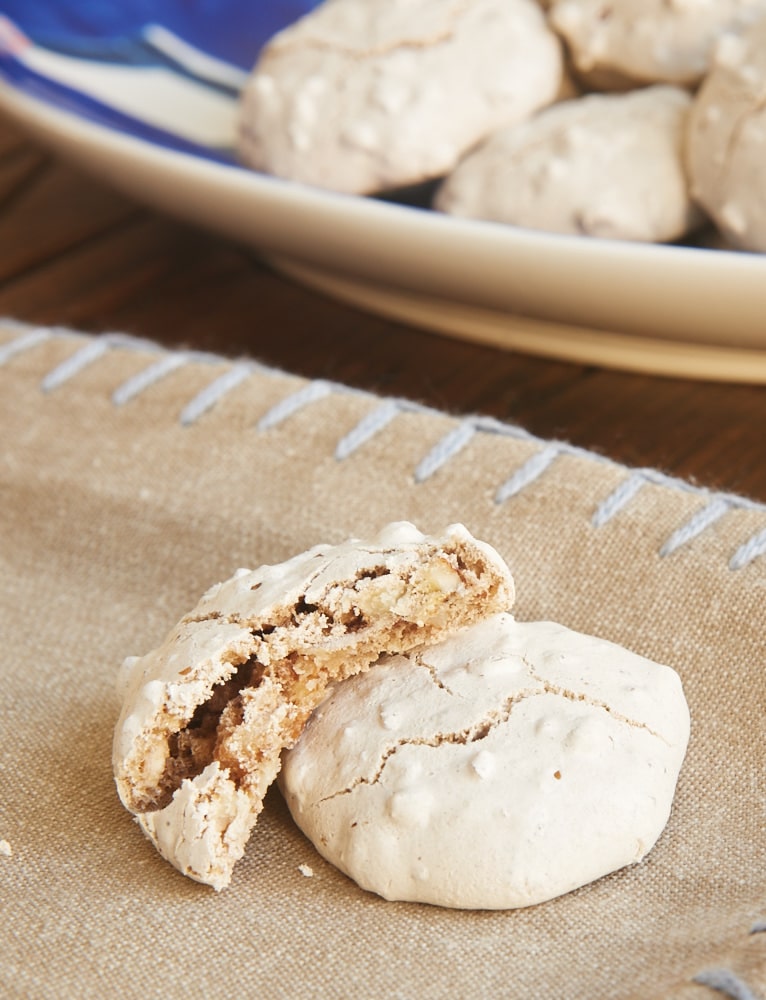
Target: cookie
[(207, 714), (601, 165), (727, 140), (648, 41), (507, 765), (363, 97)]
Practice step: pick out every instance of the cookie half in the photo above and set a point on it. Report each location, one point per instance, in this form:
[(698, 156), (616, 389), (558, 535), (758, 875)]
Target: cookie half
[(507, 765), (207, 714)]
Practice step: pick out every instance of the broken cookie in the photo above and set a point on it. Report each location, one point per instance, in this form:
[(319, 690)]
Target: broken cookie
[(509, 764), (207, 714)]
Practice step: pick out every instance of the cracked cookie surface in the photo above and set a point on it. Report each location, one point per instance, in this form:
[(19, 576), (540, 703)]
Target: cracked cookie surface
[(207, 714), (507, 765), (364, 97)]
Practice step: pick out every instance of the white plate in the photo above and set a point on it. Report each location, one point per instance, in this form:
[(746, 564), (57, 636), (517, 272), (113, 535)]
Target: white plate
[(668, 310)]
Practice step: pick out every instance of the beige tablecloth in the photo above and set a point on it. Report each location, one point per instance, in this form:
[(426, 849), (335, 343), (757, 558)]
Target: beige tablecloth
[(131, 478)]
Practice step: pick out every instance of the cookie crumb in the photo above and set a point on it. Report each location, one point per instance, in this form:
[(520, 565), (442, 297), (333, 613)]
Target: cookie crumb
[(6, 851), (306, 870)]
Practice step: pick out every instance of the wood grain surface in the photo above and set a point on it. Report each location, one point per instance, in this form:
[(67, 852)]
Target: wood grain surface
[(76, 253)]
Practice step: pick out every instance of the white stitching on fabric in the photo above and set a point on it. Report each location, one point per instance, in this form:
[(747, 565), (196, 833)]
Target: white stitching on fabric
[(445, 449), (725, 982), (491, 425), (309, 393), (379, 418), (747, 553), (619, 498), (376, 420), (370, 425), (37, 335), (218, 388), (91, 351), (529, 471), (72, 365), (636, 479), (142, 380), (717, 505), (697, 523)]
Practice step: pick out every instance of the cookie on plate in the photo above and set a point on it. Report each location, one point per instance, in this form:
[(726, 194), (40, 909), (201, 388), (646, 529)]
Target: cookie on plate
[(507, 765), (608, 165), (648, 41), (363, 97), (207, 714), (727, 140)]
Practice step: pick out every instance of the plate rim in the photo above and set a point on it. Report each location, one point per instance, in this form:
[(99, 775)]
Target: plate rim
[(739, 276)]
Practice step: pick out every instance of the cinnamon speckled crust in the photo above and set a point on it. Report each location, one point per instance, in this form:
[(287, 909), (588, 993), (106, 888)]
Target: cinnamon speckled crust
[(602, 165), (507, 765), (727, 140), (649, 41), (361, 97), (207, 714)]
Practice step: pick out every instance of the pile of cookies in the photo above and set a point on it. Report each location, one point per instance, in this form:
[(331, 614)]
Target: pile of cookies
[(624, 119), (432, 747)]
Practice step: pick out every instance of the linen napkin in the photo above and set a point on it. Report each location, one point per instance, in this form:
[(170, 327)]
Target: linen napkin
[(133, 477)]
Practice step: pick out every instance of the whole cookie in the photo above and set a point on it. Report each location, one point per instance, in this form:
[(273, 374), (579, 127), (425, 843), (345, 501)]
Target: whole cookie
[(361, 97), (602, 165), (727, 140), (509, 764), (649, 41), (206, 715)]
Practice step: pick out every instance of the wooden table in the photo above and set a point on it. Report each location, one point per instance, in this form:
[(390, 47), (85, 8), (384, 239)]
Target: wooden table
[(76, 253)]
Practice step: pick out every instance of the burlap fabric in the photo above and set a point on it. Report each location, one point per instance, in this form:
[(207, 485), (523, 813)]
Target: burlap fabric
[(132, 478)]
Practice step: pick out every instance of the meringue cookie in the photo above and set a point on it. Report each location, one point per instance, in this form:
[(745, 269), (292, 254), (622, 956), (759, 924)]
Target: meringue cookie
[(509, 764), (649, 41), (727, 140), (601, 165), (363, 97)]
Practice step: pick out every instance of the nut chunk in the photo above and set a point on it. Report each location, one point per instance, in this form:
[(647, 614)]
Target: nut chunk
[(207, 714)]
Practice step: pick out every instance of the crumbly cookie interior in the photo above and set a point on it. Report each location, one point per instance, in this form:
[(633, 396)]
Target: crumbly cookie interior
[(297, 651)]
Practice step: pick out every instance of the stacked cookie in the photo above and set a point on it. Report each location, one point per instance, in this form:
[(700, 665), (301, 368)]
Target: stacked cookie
[(374, 96)]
